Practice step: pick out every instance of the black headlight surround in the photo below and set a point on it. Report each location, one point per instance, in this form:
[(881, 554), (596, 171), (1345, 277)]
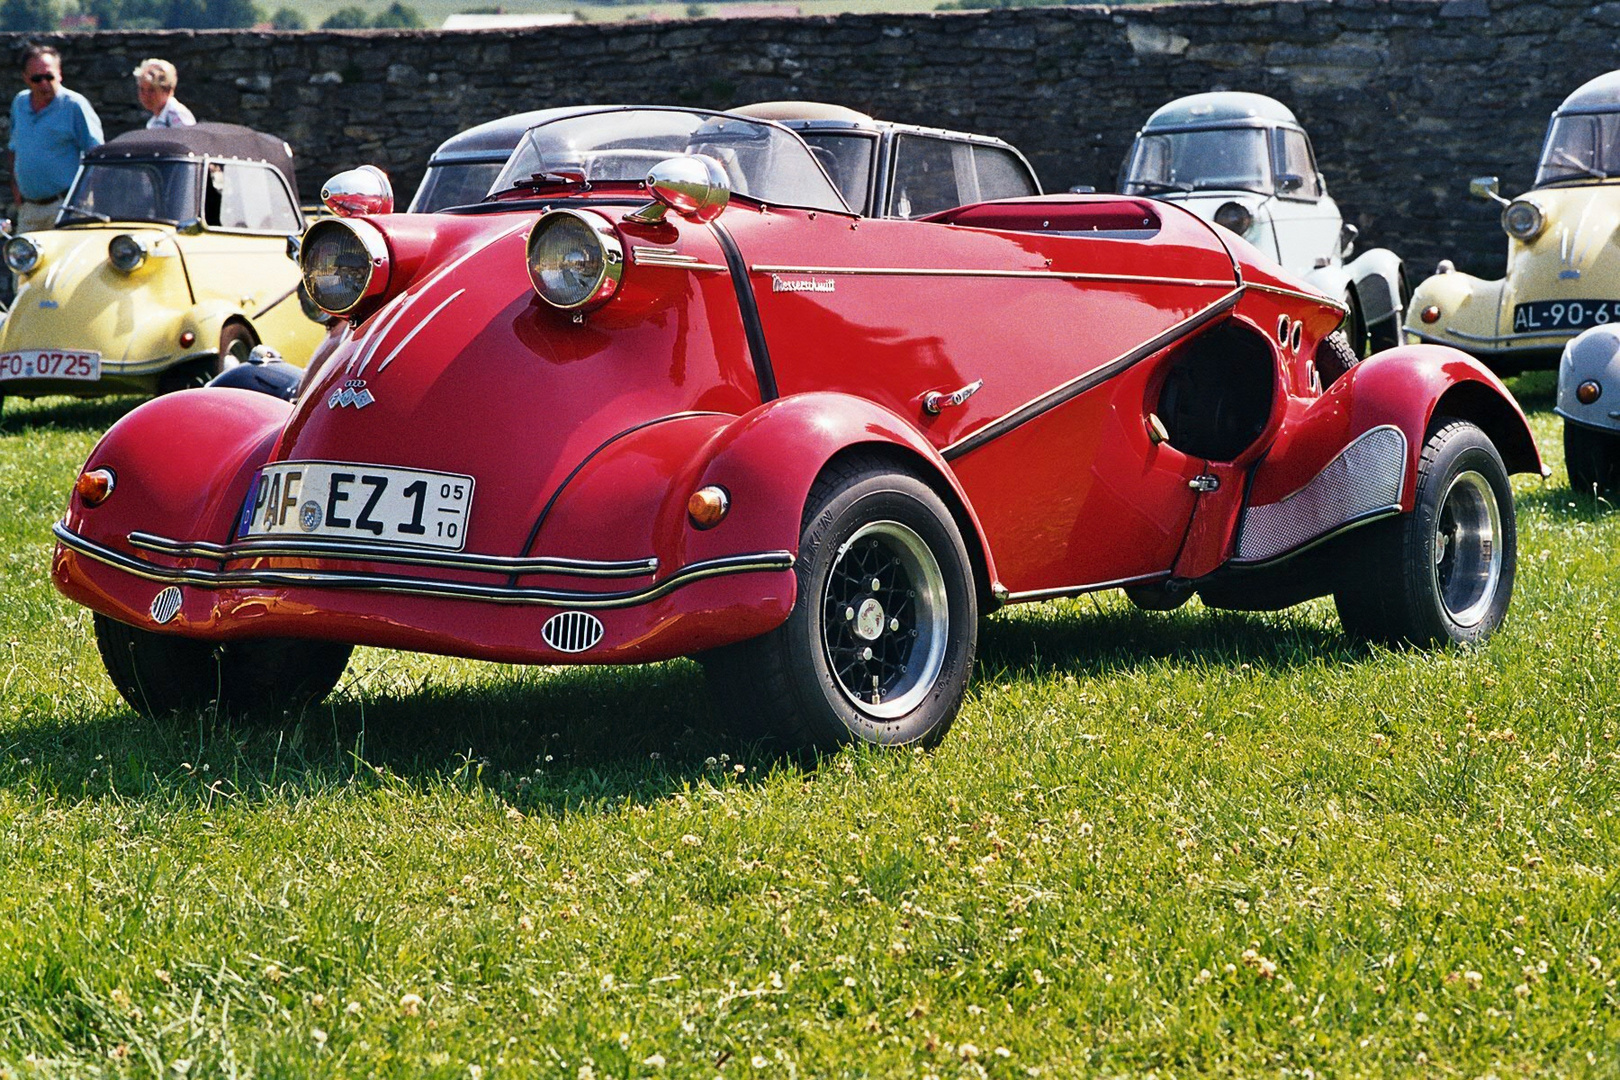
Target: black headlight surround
[(343, 263), (598, 265), (1235, 216)]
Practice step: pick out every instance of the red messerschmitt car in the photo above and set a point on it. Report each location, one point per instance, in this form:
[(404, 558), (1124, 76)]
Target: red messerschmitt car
[(663, 394)]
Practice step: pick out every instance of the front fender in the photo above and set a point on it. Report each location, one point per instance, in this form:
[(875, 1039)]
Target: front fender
[(1592, 356), (182, 463), (631, 494), (1376, 275), (1465, 303), (1405, 388)]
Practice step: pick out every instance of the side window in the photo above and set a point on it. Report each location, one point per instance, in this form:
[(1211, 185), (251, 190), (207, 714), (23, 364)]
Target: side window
[(242, 196), (1294, 158), (926, 176), (848, 160), (1001, 175)]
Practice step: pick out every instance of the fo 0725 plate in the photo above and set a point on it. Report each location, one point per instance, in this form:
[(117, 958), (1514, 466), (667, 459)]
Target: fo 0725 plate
[(50, 364), (366, 503), (1545, 316)]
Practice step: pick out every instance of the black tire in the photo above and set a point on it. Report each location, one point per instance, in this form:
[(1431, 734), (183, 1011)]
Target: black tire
[(235, 345), (1334, 357), (805, 684), (1593, 460), (1355, 327), (159, 674), (1160, 596), (1444, 572)]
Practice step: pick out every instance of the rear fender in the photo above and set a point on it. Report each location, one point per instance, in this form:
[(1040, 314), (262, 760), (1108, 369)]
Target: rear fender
[(631, 495), (183, 463), (1352, 454)]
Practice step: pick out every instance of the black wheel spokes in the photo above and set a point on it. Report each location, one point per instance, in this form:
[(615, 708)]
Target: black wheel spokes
[(869, 573)]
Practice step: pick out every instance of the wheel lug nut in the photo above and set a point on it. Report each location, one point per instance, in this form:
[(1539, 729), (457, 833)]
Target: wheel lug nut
[(866, 654), (849, 613), (894, 624), (876, 584)]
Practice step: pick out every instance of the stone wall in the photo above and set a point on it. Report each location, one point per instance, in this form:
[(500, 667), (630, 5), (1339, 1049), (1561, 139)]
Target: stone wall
[(1404, 99)]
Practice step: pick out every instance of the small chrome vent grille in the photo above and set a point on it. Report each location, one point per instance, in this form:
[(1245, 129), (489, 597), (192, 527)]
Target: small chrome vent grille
[(572, 631), (1365, 478), (166, 604)]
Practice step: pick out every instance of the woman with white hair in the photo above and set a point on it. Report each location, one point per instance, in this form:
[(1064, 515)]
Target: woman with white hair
[(155, 81)]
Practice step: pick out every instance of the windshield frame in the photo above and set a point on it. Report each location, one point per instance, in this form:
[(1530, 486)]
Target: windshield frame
[(501, 187), (1266, 188), (1601, 169), (84, 217)]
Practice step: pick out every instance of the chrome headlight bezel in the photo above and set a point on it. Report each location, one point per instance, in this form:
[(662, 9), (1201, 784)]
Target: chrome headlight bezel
[(371, 247), (127, 252), (600, 250), (1235, 216), (1523, 220), (22, 254)]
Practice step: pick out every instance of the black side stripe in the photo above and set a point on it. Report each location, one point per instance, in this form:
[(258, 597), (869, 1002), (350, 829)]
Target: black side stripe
[(1070, 390), (748, 307), (534, 533)]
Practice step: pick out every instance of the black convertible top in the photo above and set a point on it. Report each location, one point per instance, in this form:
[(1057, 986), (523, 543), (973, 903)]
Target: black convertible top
[(199, 140)]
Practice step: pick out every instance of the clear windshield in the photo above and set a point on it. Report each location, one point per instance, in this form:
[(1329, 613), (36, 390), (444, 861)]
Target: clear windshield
[(164, 191), (848, 160), (1224, 158), (762, 161), (1585, 147), (456, 183)]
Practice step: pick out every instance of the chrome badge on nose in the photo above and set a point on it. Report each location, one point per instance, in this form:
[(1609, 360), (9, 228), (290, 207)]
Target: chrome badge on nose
[(354, 393)]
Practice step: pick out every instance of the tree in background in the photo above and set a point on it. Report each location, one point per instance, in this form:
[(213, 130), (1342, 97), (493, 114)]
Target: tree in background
[(229, 14), (349, 18), (288, 19), (398, 17), (23, 15)]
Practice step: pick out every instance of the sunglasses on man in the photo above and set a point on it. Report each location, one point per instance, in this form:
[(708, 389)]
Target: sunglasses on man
[(42, 77)]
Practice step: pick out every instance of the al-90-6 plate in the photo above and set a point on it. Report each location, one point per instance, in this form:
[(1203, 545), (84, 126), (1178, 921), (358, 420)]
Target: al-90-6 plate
[(364, 503)]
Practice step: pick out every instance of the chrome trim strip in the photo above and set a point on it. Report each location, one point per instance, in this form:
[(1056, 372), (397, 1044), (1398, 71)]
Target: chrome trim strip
[(1080, 590), (671, 259), (1054, 275), (1315, 298), (1079, 385), (387, 553), (417, 329), (500, 594), (1486, 339)]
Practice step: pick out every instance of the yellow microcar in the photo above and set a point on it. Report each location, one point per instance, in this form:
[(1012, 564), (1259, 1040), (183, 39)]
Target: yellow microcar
[(1563, 263), (169, 262)]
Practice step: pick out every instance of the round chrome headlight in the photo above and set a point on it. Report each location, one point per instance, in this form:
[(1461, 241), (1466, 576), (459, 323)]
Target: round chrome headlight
[(575, 259), (1234, 216), (126, 252), (1522, 219), (343, 262), (22, 254)]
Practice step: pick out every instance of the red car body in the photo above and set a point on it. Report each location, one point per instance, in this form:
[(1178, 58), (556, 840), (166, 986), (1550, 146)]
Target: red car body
[(1151, 414)]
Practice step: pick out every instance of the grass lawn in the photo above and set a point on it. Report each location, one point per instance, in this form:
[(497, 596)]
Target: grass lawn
[(1183, 844)]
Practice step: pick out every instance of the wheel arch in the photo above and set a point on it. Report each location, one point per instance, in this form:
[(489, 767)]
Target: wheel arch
[(1485, 408)]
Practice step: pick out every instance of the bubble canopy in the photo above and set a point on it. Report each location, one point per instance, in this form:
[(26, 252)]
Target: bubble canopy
[(1583, 139), (762, 161)]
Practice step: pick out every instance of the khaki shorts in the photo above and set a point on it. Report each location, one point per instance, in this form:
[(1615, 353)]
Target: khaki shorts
[(33, 217)]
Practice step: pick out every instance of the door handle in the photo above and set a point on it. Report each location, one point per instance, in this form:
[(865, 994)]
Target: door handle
[(934, 401)]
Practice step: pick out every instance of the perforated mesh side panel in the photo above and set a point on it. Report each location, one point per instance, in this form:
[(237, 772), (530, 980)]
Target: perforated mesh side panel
[(1366, 477)]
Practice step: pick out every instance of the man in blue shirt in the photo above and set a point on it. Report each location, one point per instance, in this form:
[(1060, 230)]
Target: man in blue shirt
[(51, 127)]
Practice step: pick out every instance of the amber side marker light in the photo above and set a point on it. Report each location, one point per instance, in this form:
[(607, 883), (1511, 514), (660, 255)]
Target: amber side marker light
[(1431, 314), (1588, 392), (708, 506), (94, 485)]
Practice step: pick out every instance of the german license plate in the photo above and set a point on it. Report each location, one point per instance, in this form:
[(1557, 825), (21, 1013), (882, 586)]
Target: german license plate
[(50, 364), (1541, 316), (368, 503)]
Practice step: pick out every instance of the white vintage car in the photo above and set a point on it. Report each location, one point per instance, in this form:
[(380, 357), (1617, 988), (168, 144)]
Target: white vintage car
[(1243, 161)]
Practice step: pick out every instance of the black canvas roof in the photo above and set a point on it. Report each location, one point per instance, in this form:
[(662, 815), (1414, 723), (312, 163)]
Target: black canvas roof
[(199, 140)]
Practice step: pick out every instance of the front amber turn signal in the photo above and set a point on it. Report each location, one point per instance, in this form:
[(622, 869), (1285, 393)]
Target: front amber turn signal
[(1588, 392), (708, 506), (94, 485)]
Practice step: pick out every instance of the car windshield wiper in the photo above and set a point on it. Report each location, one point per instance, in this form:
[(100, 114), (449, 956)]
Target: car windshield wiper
[(574, 177), (1226, 185), (90, 214), (1154, 187)]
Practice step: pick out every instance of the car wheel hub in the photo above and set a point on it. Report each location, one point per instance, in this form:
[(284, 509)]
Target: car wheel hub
[(1468, 548), (885, 619)]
